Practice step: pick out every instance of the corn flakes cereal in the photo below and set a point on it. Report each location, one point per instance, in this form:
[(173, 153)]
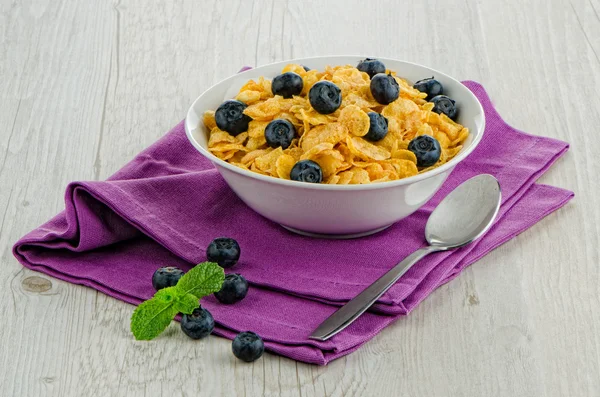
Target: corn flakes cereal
[(333, 180), (330, 161), (404, 168), (309, 79), (404, 154), (249, 158), (292, 67), (248, 97), (227, 147), (345, 177), (359, 176), (316, 150), (366, 150), (208, 118), (267, 161), (328, 133), (355, 120), (264, 111), (284, 165), (217, 136), (337, 142)]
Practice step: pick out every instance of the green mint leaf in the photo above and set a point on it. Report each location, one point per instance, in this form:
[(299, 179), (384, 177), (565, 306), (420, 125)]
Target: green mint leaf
[(186, 304), (151, 317), (168, 294), (202, 280)]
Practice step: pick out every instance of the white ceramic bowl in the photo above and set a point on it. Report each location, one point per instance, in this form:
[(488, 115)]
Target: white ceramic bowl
[(334, 210)]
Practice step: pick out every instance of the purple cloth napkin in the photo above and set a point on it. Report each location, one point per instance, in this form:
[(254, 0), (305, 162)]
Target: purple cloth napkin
[(167, 204)]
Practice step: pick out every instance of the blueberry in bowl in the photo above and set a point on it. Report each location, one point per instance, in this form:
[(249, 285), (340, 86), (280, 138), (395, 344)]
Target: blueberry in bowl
[(307, 171), (280, 133), (230, 117), (427, 150), (371, 66), (325, 97), (287, 85), (445, 105), (429, 86), (378, 127), (384, 88)]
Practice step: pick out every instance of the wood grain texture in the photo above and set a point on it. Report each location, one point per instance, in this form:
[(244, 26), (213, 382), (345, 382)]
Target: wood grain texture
[(85, 85)]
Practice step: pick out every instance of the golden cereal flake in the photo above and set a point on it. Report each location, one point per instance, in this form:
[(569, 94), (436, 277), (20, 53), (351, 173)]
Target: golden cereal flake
[(365, 149), (208, 118), (328, 133), (356, 121)]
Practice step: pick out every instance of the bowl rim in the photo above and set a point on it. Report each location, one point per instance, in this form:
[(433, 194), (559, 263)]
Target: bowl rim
[(324, 186)]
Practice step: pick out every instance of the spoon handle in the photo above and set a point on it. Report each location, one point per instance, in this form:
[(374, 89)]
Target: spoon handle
[(346, 314)]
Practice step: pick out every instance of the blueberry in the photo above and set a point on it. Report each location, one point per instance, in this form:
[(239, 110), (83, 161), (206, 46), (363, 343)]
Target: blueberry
[(234, 289), (307, 171), (230, 117), (280, 132), (371, 66), (325, 97), (224, 251), (384, 88), (306, 68), (166, 277), (198, 324), (443, 104), (247, 346), (287, 84), (427, 149), (430, 86), (378, 127)]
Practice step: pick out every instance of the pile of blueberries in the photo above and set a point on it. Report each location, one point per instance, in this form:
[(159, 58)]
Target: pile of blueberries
[(325, 97), (224, 251)]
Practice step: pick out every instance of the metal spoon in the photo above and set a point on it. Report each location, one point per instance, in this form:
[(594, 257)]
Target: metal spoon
[(462, 217)]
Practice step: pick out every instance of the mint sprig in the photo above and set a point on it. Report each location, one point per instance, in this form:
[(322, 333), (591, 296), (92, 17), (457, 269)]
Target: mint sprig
[(153, 316)]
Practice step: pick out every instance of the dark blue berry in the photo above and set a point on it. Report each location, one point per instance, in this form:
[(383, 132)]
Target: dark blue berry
[(430, 86), (230, 117), (378, 127), (166, 277), (427, 149), (384, 88), (307, 171), (325, 97), (247, 346), (445, 105), (280, 132), (306, 68), (287, 85), (224, 251), (234, 289), (198, 324), (371, 66)]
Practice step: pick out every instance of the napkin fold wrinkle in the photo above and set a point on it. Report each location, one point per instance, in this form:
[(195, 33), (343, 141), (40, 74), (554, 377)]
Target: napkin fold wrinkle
[(169, 202)]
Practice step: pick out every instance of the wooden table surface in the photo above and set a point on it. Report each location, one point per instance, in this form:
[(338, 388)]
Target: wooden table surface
[(85, 85)]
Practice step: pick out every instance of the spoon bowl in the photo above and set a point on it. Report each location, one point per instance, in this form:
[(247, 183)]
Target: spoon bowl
[(465, 214)]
